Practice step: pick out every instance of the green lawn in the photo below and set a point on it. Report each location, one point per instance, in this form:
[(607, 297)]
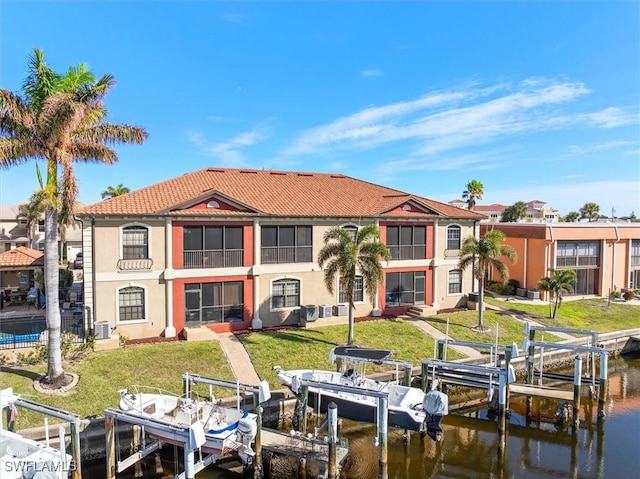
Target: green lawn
[(103, 373), (509, 330), (593, 314), (309, 348)]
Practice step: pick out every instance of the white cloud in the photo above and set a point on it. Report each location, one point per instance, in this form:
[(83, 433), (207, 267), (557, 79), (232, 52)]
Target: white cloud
[(459, 117), (338, 165), (230, 152), (371, 72), (581, 150)]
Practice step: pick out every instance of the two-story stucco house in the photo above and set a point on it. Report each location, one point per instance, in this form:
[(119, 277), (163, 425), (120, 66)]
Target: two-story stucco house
[(231, 249)]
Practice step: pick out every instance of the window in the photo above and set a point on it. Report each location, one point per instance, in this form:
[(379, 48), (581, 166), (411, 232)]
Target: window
[(635, 252), (212, 246), (131, 304), (455, 281), (405, 288), (286, 244), (578, 253), (453, 237), (214, 302), (353, 232), (407, 242), (135, 242), (358, 293), (285, 293), (40, 227)]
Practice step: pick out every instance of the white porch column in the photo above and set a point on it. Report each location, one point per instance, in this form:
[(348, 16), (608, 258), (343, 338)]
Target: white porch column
[(376, 306), (170, 330), (434, 274), (256, 322)]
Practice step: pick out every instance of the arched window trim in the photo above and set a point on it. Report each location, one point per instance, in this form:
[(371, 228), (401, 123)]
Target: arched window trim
[(454, 225), (349, 227), (145, 305), (364, 293), (285, 278), (138, 224)]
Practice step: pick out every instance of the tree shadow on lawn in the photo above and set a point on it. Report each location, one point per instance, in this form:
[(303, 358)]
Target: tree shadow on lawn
[(295, 338), (22, 372)]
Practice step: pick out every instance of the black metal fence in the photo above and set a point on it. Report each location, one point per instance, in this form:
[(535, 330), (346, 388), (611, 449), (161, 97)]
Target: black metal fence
[(27, 331)]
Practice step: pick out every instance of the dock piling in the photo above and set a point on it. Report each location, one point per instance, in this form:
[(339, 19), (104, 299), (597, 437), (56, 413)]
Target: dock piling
[(332, 413), (577, 382), (602, 393)]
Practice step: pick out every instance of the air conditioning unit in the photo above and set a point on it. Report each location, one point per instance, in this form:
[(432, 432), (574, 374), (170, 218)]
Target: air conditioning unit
[(103, 330), (340, 310), (326, 311), (308, 312)]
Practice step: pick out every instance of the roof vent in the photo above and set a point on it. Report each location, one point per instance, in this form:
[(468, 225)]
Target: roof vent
[(213, 204), (305, 174), (254, 172), (406, 208), (279, 173), (215, 170)]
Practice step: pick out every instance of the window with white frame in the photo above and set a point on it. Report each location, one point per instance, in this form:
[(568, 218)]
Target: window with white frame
[(135, 242), (40, 227), (635, 252), (131, 304), (358, 292), (285, 293), (455, 281), (453, 237), (352, 231)]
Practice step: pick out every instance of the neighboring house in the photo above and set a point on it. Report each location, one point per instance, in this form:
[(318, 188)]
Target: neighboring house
[(604, 256), (18, 267), (536, 211), (233, 249), (13, 234)]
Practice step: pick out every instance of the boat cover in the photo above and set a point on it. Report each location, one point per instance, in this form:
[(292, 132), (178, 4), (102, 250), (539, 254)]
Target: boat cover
[(362, 354), (436, 403)]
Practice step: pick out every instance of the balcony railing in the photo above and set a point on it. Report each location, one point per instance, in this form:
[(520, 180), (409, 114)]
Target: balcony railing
[(217, 258), (285, 254), (407, 252), (567, 261)]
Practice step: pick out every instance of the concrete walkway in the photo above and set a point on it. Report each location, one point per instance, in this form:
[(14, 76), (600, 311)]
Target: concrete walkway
[(238, 358)]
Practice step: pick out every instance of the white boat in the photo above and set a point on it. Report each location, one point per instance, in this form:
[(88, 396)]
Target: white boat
[(214, 428), (24, 458), (406, 404)]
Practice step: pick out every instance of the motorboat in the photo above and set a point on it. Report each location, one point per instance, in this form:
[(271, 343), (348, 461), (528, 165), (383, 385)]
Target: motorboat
[(24, 458), (405, 403), (214, 428)]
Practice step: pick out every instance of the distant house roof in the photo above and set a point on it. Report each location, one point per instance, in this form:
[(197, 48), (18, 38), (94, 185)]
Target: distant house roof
[(21, 257), (244, 192)]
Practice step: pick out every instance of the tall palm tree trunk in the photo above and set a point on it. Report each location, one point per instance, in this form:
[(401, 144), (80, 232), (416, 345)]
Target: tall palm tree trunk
[(55, 372), (481, 304)]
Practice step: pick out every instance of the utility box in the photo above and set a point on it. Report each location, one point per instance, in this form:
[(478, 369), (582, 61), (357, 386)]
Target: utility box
[(308, 313), (340, 310), (326, 311), (103, 330)]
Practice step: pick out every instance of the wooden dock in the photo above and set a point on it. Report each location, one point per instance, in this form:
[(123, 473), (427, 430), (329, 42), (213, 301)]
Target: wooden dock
[(300, 446), (541, 391)]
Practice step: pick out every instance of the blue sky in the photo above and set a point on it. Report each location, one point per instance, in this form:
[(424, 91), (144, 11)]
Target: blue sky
[(537, 100)]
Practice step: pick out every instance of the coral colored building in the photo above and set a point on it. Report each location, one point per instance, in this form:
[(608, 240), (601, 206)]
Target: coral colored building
[(605, 256), (229, 249)]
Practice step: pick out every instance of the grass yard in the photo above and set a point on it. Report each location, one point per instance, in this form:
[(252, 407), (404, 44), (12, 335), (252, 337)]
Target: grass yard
[(594, 314), (309, 348), (509, 330), (103, 373)]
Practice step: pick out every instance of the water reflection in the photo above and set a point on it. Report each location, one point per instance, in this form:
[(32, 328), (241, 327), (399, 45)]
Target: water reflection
[(470, 447)]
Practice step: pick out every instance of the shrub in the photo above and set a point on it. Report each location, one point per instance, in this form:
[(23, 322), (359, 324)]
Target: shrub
[(629, 295), (616, 295)]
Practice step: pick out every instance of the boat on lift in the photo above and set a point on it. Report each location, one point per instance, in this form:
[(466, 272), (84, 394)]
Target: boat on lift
[(216, 429), (21, 457), (405, 403)]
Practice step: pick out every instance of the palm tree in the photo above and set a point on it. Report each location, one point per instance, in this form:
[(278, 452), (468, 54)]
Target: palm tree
[(474, 191), (559, 282), (515, 212), (113, 191), (590, 211), (60, 119), (488, 252), (347, 257), (571, 217)]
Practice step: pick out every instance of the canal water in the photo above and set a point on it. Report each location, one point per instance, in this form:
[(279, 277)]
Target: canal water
[(537, 447)]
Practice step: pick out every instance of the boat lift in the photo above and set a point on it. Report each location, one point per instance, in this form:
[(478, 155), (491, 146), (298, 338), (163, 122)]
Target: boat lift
[(74, 429), (181, 435), (372, 356), (382, 418)]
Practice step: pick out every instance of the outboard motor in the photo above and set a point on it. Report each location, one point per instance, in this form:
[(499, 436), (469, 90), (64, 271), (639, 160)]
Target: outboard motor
[(246, 433), (436, 406)]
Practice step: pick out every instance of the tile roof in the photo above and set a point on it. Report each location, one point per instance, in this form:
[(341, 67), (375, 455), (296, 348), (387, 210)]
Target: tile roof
[(21, 257), (270, 193)]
